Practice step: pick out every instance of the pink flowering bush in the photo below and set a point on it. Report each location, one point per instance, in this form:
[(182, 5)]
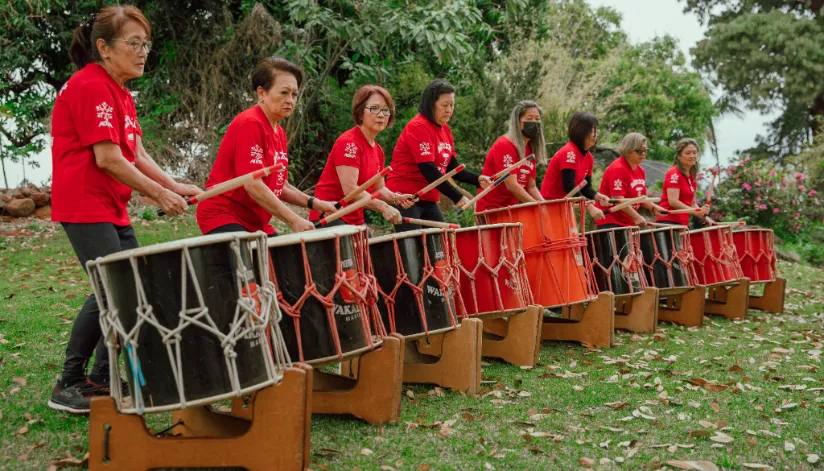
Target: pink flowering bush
[(774, 198)]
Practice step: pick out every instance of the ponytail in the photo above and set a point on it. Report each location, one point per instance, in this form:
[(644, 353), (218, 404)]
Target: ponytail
[(83, 50)]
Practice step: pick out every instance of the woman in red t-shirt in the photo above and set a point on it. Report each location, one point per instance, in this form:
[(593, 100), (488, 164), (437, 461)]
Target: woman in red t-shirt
[(255, 140), (573, 164), (680, 185), (524, 135), (356, 157), (98, 159), (625, 178), (425, 151)]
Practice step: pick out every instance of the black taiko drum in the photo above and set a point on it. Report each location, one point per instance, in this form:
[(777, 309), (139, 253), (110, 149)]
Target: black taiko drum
[(323, 290), (667, 259), (616, 260), (416, 281), (190, 318)]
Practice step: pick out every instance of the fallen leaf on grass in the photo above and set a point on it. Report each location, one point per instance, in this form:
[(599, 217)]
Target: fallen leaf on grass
[(616, 405), (23, 431), (789, 446), (366, 452), (588, 462), (20, 381), (705, 423), (812, 458), (697, 465), (722, 438), (69, 462), (756, 466)]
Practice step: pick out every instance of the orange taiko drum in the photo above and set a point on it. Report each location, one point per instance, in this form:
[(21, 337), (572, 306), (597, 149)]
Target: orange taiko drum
[(716, 261), (491, 269), (556, 260), (756, 253)]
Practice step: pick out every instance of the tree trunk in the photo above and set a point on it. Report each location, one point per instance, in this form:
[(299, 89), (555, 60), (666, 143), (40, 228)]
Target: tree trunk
[(5, 178), (817, 116)]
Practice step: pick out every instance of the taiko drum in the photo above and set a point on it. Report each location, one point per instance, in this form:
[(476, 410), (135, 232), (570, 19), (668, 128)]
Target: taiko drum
[(756, 253), (716, 261)]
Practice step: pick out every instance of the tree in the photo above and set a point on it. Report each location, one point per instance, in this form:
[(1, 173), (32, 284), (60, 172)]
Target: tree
[(768, 55), (661, 98)]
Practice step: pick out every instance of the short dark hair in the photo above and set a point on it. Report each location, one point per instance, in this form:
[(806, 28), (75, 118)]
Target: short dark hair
[(430, 95), (105, 25), (580, 127), (266, 68), (362, 96)]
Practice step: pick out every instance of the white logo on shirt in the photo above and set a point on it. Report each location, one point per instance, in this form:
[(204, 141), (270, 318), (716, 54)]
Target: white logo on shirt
[(129, 123), (257, 155), (674, 178), (619, 185), (351, 150), (280, 156), (424, 147), (104, 112), (507, 160), (570, 157), (444, 145)]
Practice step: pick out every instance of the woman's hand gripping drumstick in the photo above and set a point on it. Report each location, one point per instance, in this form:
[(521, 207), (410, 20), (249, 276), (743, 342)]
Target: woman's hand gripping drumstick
[(357, 191), (349, 209), (480, 195), (230, 185), (438, 224)]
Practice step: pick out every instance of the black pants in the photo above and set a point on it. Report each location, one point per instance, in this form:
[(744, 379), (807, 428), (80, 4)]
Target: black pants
[(669, 223), (608, 226), (89, 242), (427, 210)]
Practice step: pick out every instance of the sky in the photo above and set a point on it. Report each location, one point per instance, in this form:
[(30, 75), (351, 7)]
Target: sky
[(642, 21)]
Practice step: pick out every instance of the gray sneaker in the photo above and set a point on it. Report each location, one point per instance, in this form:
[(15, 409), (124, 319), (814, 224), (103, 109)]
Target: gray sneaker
[(75, 399)]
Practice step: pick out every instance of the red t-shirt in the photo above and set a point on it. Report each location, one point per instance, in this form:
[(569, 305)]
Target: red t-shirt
[(420, 141), (621, 180), (90, 108), (686, 184), (350, 150), (502, 154), (568, 157), (250, 144)]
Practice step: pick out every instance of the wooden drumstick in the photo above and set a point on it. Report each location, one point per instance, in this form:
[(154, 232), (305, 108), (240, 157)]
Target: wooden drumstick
[(460, 188), (431, 186), (731, 223), (626, 203), (438, 224), (621, 199), (349, 209), (682, 211), (577, 189), (230, 185), (712, 186), (480, 195), (351, 196), (513, 166)]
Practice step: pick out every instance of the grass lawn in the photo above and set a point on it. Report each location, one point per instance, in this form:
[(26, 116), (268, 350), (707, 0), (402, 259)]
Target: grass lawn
[(634, 406)]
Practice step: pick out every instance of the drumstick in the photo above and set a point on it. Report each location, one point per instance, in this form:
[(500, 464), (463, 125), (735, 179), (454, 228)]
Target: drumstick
[(483, 193), (577, 189), (424, 222), (731, 223), (437, 182), (230, 185), (349, 209), (622, 199), (460, 188), (682, 211), (513, 166), (626, 203), (712, 186), (351, 196)]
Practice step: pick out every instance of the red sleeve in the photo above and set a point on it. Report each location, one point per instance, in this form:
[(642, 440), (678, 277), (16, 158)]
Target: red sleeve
[(569, 161), (499, 157), (348, 153), (93, 110), (421, 144), (250, 150)]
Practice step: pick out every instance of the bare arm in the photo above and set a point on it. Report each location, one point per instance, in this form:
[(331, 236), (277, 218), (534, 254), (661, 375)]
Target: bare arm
[(517, 191), (533, 190), (109, 158)]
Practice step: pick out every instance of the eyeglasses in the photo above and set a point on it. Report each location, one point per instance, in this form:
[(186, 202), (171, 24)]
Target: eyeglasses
[(374, 109), (642, 151), (137, 45)]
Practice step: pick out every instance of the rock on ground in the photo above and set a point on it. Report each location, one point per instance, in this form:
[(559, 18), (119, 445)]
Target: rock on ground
[(21, 207)]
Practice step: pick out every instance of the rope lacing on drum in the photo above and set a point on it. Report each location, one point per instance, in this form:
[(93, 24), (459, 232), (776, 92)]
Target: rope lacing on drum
[(765, 256), (246, 322), (632, 264), (360, 290), (402, 279), (511, 259), (725, 264), (684, 256)]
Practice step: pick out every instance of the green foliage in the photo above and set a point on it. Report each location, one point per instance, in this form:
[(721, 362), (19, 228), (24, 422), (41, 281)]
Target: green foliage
[(767, 54), (766, 196), (661, 98)]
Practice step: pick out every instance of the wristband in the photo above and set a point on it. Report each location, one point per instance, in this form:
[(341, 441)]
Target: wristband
[(310, 202)]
